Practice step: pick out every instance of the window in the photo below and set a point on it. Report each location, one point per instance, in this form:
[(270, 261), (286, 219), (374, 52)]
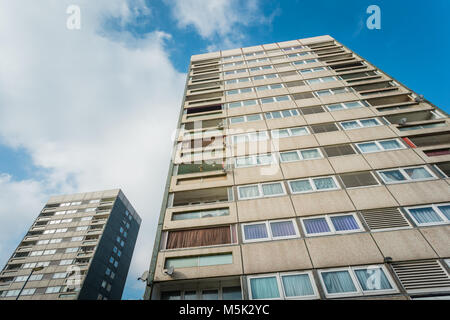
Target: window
[(239, 91), (232, 64), (381, 145), (199, 261), (251, 137), (200, 237), (238, 80), (293, 285), (48, 252), (443, 168), (28, 292), (289, 132), (281, 114), (57, 213), (344, 106), (257, 60), (406, 174), (34, 277), (50, 231), (36, 253), (254, 160), (65, 204), (83, 228), (71, 250), (249, 118), (330, 92), (200, 214), (357, 124), (61, 230), (313, 184), (270, 87), (54, 222), (301, 62), (422, 126), (298, 54), (275, 99), (74, 239), (76, 203), (297, 155), (269, 230), (257, 53), (235, 71), (431, 214), (358, 179), (321, 80), (52, 290), (232, 57), (268, 67), (59, 275), (303, 95), (355, 281), (321, 128), (306, 71), (43, 242), (340, 150), (65, 262), (292, 48), (265, 76), (331, 224), (261, 190)]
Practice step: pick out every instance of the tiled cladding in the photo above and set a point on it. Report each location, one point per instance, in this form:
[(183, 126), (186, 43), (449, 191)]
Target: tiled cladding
[(314, 96)]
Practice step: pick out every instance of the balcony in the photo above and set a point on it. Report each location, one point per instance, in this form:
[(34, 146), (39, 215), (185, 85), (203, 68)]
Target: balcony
[(202, 196)]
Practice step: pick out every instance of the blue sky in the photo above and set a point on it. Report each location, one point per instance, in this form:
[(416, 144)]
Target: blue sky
[(45, 145)]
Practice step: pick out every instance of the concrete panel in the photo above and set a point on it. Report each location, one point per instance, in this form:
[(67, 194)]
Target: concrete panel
[(306, 168), (420, 192), (390, 159), (322, 203), (439, 239), (371, 198), (373, 133), (349, 163), (265, 209), (258, 174)]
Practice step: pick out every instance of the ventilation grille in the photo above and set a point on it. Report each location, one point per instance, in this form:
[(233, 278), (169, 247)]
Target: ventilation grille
[(422, 276), (385, 218)]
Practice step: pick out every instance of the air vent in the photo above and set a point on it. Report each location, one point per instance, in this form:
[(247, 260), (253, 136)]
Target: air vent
[(384, 218), (422, 276)]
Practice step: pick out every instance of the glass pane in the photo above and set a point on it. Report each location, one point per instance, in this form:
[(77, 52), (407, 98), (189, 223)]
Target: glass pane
[(299, 131), (280, 133), (210, 294), (352, 105), (267, 100), (282, 229), (248, 192), (276, 115), (445, 210), (335, 107), (350, 125), (231, 293), (171, 295), (264, 288), (310, 154), (272, 189), (246, 90), (214, 260), (286, 113), (338, 282), (264, 159), (324, 183), (323, 93), (316, 225), (300, 186), (250, 103), (344, 223), (289, 156), (368, 147), (247, 161), (425, 215), (190, 295), (418, 173), (390, 144), (181, 262), (237, 120), (297, 285), (392, 176), (255, 231), (254, 117), (369, 122), (372, 279)]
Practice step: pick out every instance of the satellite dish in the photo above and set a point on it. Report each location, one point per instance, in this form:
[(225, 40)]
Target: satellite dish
[(169, 271), (144, 276)]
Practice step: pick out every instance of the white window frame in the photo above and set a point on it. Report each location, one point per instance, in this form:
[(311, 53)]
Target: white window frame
[(246, 118), (260, 190), (361, 126), (360, 291), (253, 54), (278, 276), (254, 160), (261, 68), (379, 145), (281, 113), (236, 71), (298, 54), (266, 76), (445, 220), (332, 91), (248, 134), (242, 103), (306, 61), (257, 60), (270, 236), (274, 99), (239, 91), (299, 153), (344, 107), (333, 230), (298, 47), (408, 179), (320, 79), (269, 87), (314, 188), (312, 70), (237, 80), (290, 132)]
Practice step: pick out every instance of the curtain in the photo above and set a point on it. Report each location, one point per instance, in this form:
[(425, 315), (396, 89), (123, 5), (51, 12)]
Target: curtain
[(338, 282), (425, 215), (198, 237), (289, 156), (214, 260), (264, 288), (342, 223), (445, 210), (372, 279), (300, 185), (297, 285), (248, 192), (282, 229), (310, 154), (324, 183), (272, 189), (255, 231), (418, 173), (392, 175), (368, 147), (316, 225)]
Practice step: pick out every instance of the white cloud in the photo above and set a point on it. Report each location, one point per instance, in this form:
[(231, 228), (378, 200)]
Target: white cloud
[(95, 109), (220, 20)]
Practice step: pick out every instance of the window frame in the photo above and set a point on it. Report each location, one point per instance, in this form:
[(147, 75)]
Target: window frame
[(246, 118), (379, 145), (290, 132), (408, 179), (274, 99), (344, 107), (260, 190), (254, 158), (436, 209), (270, 236), (299, 153), (282, 115), (358, 121), (311, 182), (330, 224)]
